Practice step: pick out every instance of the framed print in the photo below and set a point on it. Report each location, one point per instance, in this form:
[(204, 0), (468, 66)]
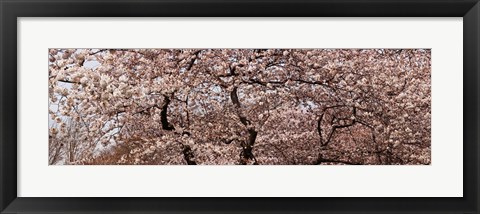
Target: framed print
[(251, 107)]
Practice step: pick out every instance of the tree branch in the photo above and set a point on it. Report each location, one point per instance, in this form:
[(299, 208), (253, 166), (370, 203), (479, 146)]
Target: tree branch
[(163, 115), (247, 147), (188, 155)]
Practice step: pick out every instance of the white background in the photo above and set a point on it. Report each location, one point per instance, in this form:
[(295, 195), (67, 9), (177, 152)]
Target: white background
[(443, 178)]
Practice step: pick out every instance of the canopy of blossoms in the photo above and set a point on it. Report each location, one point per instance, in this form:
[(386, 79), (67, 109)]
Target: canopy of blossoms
[(240, 106)]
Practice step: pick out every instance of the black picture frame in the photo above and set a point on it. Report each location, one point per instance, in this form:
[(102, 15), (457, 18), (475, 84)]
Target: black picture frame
[(10, 10)]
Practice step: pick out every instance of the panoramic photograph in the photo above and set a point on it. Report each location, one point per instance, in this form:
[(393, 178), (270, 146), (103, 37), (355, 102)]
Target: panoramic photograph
[(239, 106)]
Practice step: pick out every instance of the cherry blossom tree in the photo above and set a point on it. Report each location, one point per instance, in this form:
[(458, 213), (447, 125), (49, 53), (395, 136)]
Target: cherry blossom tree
[(240, 106)]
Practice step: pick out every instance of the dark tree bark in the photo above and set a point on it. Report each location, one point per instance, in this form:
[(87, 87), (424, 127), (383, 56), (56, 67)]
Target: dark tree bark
[(188, 155), (163, 115), (247, 147)]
